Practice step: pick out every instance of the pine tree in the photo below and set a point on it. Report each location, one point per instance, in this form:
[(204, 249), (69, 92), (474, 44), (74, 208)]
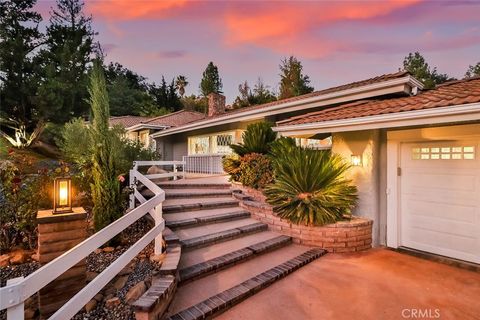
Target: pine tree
[(69, 50), (473, 71), (416, 64), (292, 81), (211, 81), (107, 202), (19, 39)]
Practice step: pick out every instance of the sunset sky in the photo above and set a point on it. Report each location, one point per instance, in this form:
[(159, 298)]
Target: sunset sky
[(338, 42)]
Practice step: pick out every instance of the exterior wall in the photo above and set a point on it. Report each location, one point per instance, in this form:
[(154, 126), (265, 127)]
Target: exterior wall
[(367, 176)]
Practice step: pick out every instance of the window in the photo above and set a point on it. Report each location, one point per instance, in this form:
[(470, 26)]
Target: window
[(218, 143), (318, 144), (444, 153)]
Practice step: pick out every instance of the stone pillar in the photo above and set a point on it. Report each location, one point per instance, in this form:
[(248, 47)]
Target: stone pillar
[(58, 233)]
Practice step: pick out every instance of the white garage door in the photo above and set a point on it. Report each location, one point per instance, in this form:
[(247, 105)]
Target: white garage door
[(440, 198)]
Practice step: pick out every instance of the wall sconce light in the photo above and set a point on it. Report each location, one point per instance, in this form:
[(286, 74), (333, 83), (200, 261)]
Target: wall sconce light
[(356, 160), (62, 195)]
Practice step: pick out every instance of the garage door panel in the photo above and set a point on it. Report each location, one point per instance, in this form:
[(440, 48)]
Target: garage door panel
[(440, 199), (446, 211), (449, 227), (433, 180)]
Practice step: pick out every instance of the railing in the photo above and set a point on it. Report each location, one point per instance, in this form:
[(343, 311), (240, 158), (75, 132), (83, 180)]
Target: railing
[(17, 290), (204, 163)]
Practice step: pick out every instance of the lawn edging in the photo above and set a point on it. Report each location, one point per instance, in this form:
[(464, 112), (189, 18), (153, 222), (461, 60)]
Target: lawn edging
[(344, 236)]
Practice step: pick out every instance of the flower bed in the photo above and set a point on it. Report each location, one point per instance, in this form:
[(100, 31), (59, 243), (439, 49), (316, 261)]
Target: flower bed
[(344, 236)]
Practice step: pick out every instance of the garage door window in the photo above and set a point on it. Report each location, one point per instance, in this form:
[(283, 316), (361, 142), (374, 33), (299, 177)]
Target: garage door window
[(444, 153)]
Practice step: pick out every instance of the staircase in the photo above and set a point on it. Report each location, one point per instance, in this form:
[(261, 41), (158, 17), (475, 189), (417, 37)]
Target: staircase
[(226, 255)]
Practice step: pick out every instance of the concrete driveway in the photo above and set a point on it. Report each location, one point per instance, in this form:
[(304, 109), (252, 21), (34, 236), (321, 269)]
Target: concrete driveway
[(377, 284)]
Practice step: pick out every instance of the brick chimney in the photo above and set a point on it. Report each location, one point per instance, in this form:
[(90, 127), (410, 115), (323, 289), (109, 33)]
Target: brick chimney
[(216, 104)]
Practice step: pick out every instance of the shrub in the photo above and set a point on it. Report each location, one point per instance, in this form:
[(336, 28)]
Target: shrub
[(310, 187), (231, 165), (21, 196), (255, 170), (256, 139)]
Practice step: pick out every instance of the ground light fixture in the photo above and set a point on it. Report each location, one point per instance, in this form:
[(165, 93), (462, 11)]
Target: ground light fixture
[(62, 195), (356, 160)]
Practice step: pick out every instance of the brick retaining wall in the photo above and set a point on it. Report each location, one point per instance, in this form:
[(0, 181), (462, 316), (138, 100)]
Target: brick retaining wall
[(343, 236)]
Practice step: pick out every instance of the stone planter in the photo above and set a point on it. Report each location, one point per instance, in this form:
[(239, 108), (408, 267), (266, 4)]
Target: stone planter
[(344, 236)]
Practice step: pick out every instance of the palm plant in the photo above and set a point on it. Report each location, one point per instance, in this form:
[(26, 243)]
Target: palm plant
[(180, 83), (256, 139), (310, 187)]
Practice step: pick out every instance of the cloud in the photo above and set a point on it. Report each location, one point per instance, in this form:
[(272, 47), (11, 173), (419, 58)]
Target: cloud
[(171, 54), (133, 9)]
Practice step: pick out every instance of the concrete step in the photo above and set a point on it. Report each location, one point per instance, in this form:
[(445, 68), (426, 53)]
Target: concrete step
[(180, 205), (190, 192), (216, 264), (207, 219), (213, 294), (197, 193), (219, 232), (200, 213), (200, 255), (193, 185)]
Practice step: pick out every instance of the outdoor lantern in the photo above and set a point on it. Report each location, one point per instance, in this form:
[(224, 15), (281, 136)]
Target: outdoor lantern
[(356, 160), (62, 195)]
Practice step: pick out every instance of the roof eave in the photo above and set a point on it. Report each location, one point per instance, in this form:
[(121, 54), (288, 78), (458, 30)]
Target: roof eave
[(456, 113), (281, 108)]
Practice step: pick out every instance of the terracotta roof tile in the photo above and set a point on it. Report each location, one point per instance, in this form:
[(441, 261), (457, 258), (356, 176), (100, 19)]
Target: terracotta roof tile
[(173, 119), (126, 121), (448, 94)]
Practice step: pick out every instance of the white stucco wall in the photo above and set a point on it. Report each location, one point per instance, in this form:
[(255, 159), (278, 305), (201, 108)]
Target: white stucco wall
[(366, 177)]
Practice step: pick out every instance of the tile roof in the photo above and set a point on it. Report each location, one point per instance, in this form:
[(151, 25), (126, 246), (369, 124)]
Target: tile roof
[(448, 94), (126, 121), (173, 119), (378, 79)]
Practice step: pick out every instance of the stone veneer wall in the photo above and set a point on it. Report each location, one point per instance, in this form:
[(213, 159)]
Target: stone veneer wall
[(343, 236)]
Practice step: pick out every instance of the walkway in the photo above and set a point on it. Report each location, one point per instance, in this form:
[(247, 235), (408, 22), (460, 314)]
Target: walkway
[(377, 284)]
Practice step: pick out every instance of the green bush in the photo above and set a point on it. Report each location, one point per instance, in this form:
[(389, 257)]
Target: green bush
[(21, 196), (255, 170), (231, 165), (256, 139), (310, 187)]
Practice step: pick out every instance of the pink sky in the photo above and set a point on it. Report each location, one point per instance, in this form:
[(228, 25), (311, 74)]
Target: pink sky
[(338, 42)]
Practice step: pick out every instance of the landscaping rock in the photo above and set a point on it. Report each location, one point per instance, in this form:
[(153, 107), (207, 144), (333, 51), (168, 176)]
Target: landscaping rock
[(135, 292), (30, 313), (127, 270), (90, 305), (98, 297), (109, 296), (112, 303), (35, 257), (120, 282), (158, 258), (18, 257), (98, 251), (90, 275), (108, 249), (4, 260)]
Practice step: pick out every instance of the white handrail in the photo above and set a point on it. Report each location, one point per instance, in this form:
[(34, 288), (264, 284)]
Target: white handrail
[(17, 290)]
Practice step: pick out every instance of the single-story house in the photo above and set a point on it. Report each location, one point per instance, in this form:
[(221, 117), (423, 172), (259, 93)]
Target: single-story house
[(415, 153), (140, 128)]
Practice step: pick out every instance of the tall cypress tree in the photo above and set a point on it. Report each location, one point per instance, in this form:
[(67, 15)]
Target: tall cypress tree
[(105, 187), (211, 81)]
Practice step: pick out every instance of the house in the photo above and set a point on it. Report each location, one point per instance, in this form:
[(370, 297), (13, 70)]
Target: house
[(415, 153), (205, 141), (140, 128), (418, 165)]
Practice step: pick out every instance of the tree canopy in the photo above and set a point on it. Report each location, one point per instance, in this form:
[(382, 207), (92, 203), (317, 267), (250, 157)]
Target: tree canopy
[(211, 81), (473, 71), (292, 80), (416, 64), (259, 95)]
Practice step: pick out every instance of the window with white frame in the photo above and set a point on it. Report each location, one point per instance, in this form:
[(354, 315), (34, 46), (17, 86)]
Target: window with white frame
[(444, 153), (317, 144), (218, 143)]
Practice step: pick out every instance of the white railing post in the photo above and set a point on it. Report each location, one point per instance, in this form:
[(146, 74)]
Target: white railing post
[(132, 185), (175, 170), (17, 311), (158, 220)]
